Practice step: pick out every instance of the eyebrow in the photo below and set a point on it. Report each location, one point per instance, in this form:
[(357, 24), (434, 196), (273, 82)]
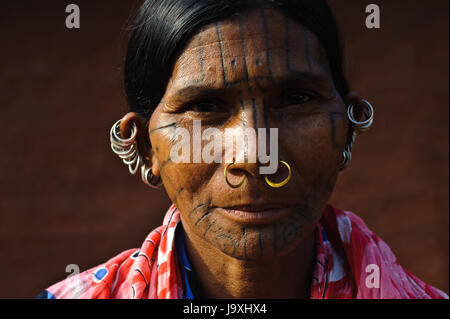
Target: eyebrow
[(198, 89)]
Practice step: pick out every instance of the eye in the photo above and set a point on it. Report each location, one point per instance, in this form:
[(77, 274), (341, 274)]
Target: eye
[(296, 98), (206, 110), (203, 107)]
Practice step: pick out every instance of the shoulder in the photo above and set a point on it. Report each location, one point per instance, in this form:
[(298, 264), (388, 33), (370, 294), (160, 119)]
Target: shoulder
[(132, 274), (368, 255)]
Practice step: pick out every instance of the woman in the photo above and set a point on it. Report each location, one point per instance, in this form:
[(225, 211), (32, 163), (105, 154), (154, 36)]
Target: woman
[(238, 228)]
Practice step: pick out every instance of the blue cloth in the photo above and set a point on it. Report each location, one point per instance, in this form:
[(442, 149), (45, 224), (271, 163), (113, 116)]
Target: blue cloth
[(45, 295), (184, 261)]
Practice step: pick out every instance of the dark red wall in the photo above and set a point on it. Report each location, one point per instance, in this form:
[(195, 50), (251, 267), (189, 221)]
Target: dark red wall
[(66, 199)]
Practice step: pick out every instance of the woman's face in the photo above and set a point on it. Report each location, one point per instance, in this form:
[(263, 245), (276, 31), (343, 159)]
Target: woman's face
[(256, 70)]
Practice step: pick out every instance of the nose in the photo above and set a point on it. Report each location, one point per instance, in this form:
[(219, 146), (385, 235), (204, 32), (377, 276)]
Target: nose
[(237, 169), (256, 136), (254, 113), (257, 149)]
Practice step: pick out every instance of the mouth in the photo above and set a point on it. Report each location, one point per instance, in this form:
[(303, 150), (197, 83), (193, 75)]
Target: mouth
[(257, 214)]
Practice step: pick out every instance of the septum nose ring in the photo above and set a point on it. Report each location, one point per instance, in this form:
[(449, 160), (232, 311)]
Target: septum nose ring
[(225, 173)]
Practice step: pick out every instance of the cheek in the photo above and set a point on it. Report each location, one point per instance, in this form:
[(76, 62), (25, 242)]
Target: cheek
[(186, 184), (314, 143), (313, 146), (193, 179)]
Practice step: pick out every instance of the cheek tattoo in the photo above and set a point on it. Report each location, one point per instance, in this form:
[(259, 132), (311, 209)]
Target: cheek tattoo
[(332, 117)]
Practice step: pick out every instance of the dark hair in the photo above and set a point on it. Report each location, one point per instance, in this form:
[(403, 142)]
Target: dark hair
[(162, 27)]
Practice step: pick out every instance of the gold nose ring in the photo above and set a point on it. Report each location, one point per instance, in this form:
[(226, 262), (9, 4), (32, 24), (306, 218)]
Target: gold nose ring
[(225, 173), (284, 182)]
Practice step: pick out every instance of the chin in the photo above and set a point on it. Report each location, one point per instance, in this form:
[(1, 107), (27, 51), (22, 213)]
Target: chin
[(262, 241)]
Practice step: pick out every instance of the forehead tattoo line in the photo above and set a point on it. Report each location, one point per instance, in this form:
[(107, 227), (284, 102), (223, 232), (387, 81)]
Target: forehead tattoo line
[(243, 46), (219, 36), (217, 29), (307, 49), (228, 77), (201, 59), (186, 78), (266, 39), (259, 46), (287, 42)]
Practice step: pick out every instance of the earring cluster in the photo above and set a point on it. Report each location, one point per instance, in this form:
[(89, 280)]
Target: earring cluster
[(127, 150), (357, 127)]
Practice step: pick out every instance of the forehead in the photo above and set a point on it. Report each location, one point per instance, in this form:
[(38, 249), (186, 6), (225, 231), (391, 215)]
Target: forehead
[(250, 47)]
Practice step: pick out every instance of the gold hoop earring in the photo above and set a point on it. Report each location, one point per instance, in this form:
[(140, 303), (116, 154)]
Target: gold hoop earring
[(284, 182), (225, 173)]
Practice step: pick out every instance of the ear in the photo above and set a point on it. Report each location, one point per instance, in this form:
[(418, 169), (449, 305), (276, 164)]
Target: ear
[(358, 104), (142, 139)]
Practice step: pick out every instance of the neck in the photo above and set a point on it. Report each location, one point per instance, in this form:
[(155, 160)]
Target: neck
[(222, 276)]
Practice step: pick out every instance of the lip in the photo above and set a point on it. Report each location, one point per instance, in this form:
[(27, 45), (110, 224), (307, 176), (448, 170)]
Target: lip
[(257, 214)]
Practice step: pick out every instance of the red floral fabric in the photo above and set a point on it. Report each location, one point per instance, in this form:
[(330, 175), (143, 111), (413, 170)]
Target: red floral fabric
[(351, 262)]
